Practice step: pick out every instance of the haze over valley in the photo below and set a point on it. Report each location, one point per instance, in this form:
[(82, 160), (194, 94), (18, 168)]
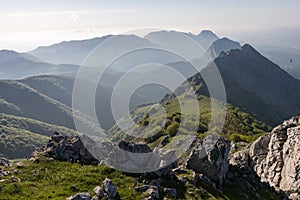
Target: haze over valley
[(94, 105)]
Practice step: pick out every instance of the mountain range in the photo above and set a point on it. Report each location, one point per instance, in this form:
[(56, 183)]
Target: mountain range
[(252, 82), (15, 65), (261, 88)]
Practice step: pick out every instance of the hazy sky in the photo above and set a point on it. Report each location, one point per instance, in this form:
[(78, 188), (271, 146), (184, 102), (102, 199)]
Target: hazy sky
[(31, 23)]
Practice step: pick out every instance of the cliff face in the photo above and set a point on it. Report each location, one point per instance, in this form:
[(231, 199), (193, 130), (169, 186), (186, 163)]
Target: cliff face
[(275, 158)]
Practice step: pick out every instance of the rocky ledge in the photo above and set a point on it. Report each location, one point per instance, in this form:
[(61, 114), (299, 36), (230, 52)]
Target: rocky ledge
[(275, 158)]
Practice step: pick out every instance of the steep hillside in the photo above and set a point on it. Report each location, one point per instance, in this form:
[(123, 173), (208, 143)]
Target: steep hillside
[(33, 104), (287, 58), (239, 126), (19, 136), (60, 88), (256, 84), (21, 100)]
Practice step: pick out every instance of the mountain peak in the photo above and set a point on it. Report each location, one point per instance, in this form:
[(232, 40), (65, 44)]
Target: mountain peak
[(206, 33), (223, 45), (249, 48), (206, 38)]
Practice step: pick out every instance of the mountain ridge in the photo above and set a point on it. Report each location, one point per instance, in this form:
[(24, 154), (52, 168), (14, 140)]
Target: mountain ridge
[(254, 83)]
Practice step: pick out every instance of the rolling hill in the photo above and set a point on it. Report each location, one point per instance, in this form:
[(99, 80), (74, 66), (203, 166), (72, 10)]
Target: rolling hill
[(19, 136)]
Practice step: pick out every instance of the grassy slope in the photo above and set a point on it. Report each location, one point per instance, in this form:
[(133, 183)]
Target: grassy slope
[(19, 136), (239, 126), (21, 100)]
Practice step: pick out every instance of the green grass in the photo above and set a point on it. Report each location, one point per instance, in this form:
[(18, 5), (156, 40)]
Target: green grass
[(58, 180), (45, 179), (238, 126)]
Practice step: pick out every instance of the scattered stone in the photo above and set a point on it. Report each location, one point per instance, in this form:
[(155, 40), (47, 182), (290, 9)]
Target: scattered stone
[(19, 165), (134, 148), (81, 196), (165, 141), (142, 188), (3, 180), (179, 170), (15, 179), (154, 189), (109, 188), (198, 191), (4, 162), (56, 137), (153, 192), (171, 192), (99, 191)]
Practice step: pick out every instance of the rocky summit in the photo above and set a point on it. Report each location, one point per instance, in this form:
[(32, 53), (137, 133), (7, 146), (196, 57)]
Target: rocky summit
[(275, 158), (208, 162), (210, 168)]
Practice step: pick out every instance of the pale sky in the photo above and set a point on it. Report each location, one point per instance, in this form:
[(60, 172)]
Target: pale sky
[(31, 23)]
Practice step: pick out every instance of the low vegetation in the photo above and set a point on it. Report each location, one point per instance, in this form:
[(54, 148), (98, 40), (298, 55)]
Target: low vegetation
[(238, 126), (19, 136), (48, 179)]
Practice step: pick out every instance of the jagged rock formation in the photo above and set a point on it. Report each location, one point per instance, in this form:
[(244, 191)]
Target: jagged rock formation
[(66, 148), (210, 157), (275, 158)]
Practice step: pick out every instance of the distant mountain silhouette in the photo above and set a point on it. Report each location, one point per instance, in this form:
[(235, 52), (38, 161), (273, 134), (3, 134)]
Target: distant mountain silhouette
[(15, 65), (206, 38), (60, 88), (71, 52), (222, 45), (74, 52)]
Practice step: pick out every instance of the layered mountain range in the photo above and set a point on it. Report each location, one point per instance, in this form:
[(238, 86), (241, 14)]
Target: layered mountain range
[(37, 91), (252, 82)]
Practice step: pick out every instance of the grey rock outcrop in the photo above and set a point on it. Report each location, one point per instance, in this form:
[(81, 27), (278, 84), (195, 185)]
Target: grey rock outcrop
[(210, 157), (275, 158), (110, 189), (4, 162), (171, 192), (66, 148), (133, 147), (99, 192)]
